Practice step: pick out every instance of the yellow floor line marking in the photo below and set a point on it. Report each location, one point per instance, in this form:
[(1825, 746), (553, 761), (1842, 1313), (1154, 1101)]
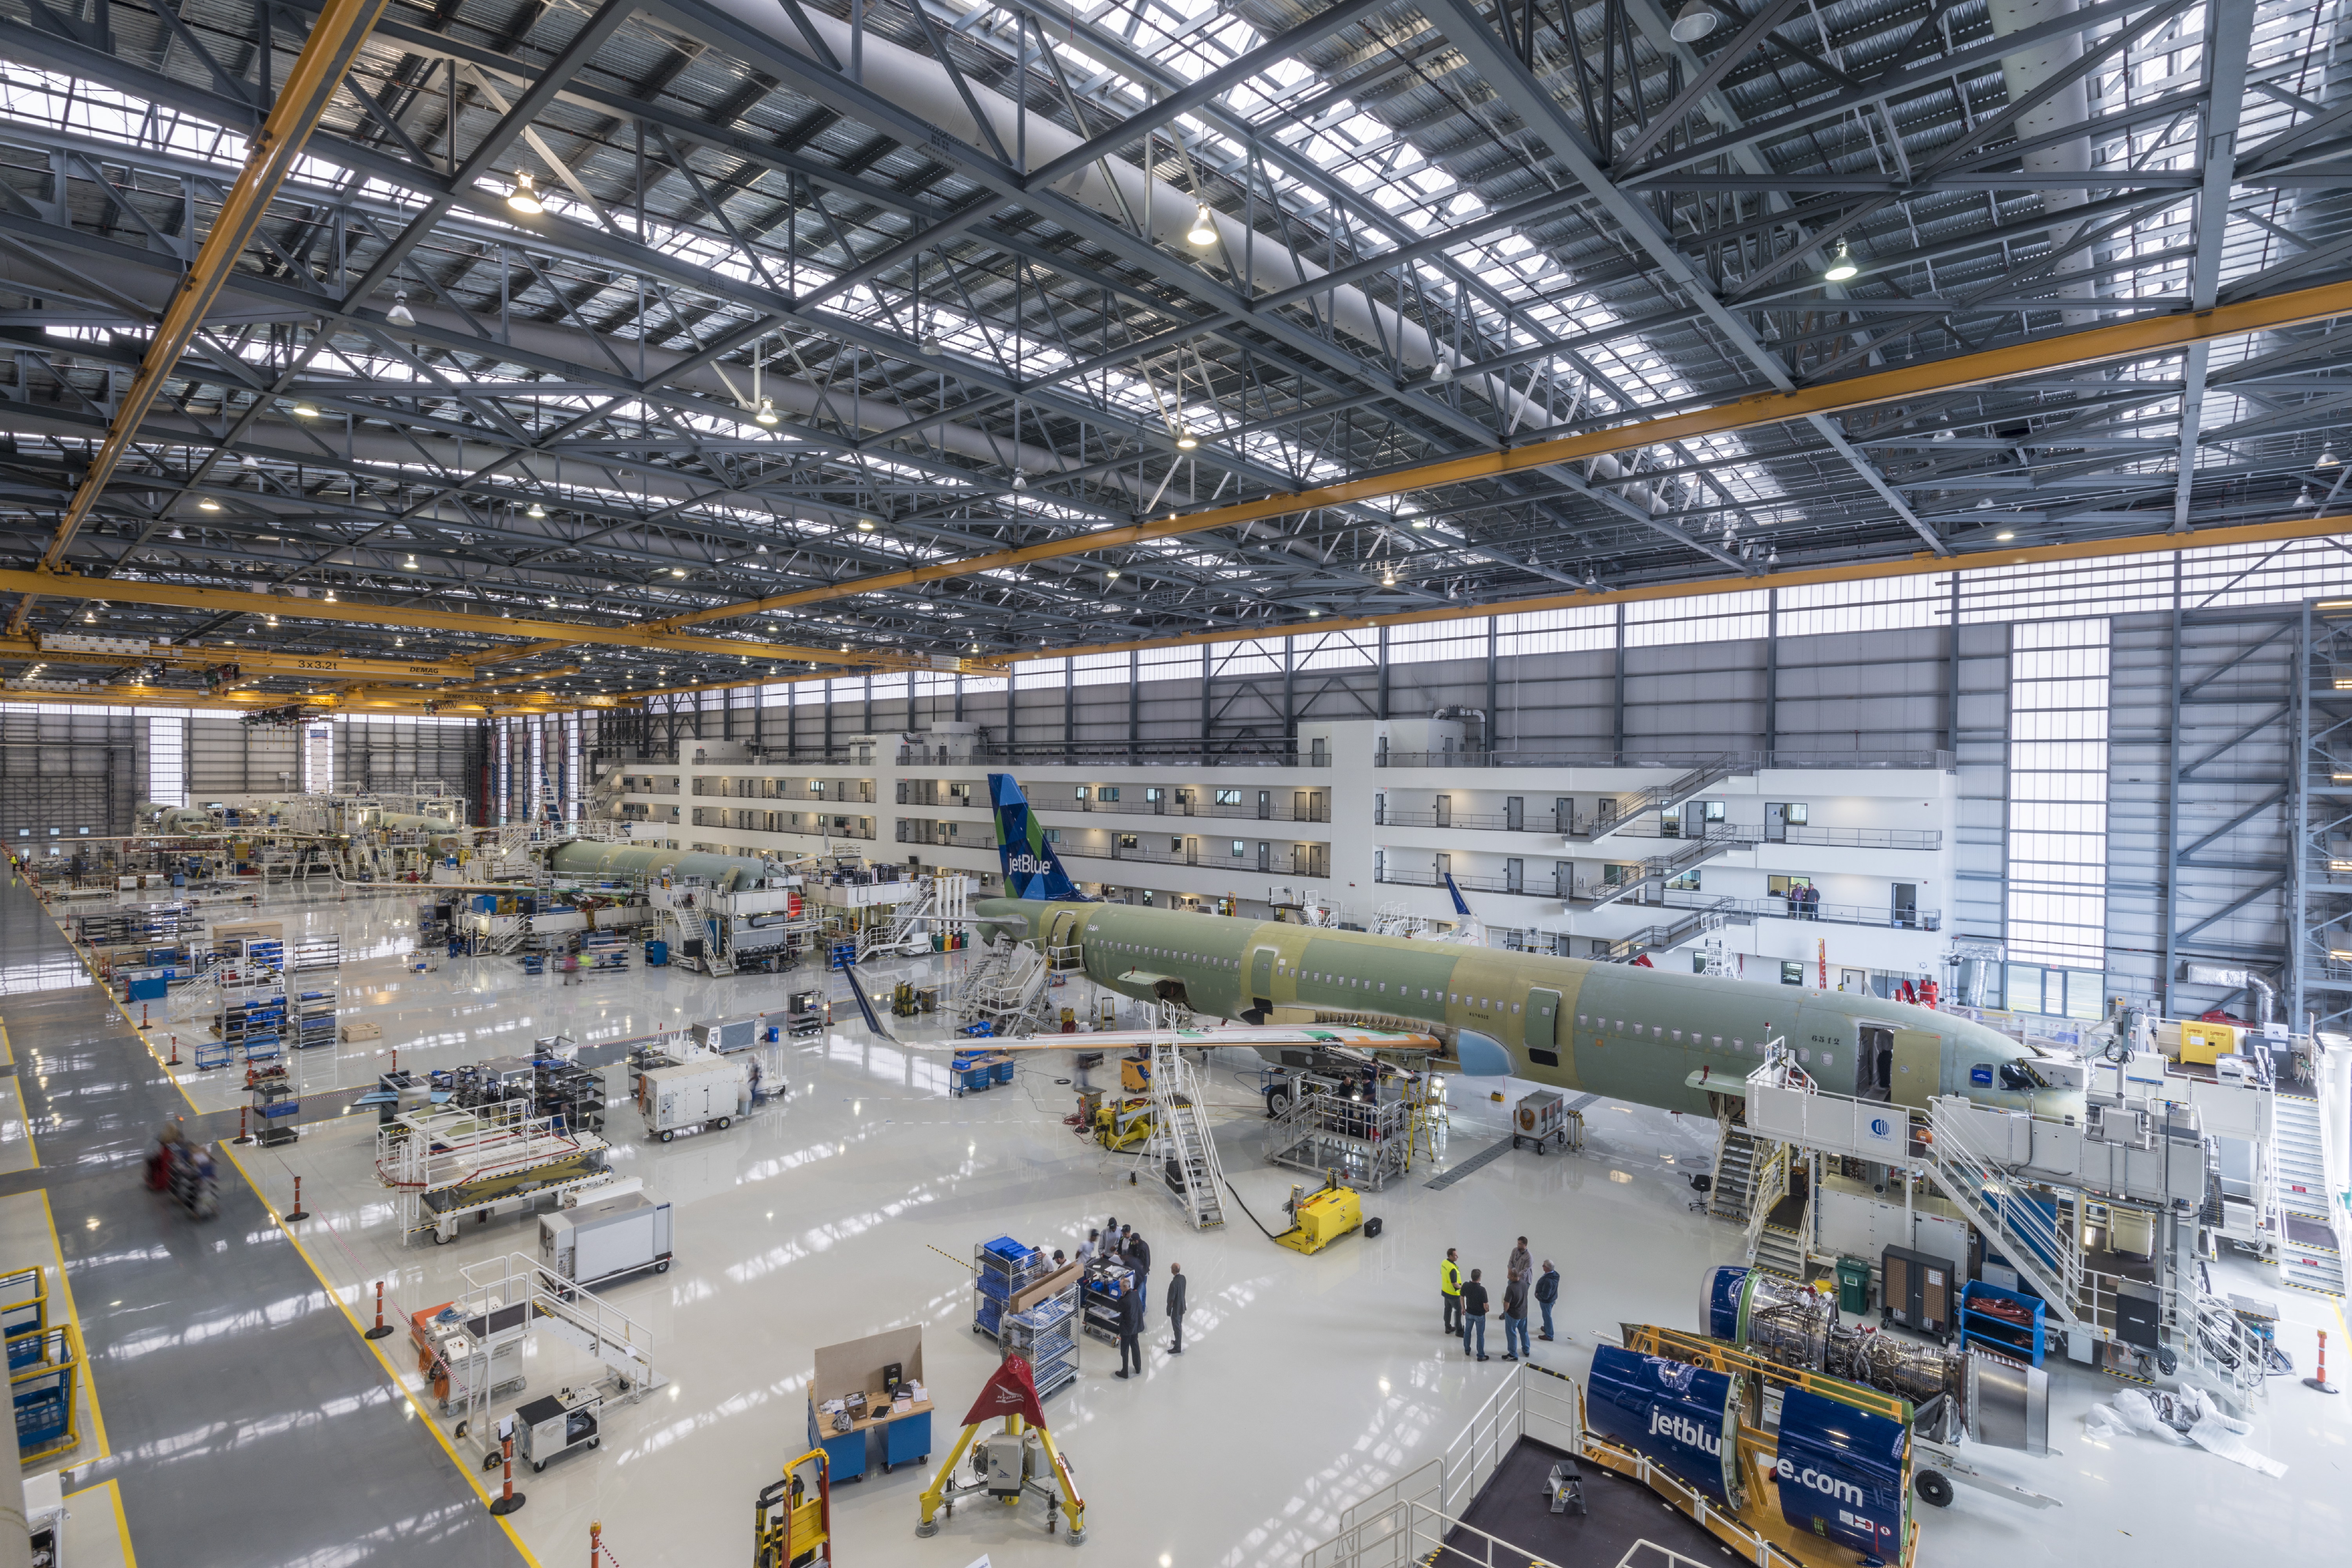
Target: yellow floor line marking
[(65, 1288), (113, 1490), (375, 1347)]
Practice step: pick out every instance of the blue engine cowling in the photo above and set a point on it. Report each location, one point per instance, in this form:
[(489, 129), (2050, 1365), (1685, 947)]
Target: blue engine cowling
[(1840, 1474), (1683, 1417)]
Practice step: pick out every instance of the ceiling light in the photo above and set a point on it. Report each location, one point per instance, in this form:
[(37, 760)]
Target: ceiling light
[(1772, 562), (330, 595), (400, 315), (1314, 614), (1694, 21), (207, 504), (2327, 459), (1112, 574), (175, 534), (306, 410), (1592, 581), (1388, 578), (1421, 522), (1205, 227), (678, 571), (2303, 496), (767, 415), (90, 616), (535, 509), (866, 525), (410, 563), (1441, 372), (1019, 480), (525, 199), (2004, 536), (271, 620), (760, 550), (930, 343), (1185, 439), (1841, 265)]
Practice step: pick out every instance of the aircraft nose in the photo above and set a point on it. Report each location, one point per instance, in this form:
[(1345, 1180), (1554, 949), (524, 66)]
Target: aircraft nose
[(1483, 1056)]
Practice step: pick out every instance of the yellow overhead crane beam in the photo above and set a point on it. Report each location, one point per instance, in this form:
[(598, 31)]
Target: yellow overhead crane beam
[(559, 633), (130, 696), (253, 661), (301, 103), (2140, 339)]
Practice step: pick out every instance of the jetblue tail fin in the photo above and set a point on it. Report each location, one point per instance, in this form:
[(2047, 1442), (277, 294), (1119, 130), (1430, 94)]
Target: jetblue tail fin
[(1461, 905), (1032, 870)]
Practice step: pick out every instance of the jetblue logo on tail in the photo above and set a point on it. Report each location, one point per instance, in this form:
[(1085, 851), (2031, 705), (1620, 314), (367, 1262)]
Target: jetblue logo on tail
[(1032, 870)]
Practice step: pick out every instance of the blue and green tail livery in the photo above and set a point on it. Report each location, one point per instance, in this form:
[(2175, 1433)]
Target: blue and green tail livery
[(1032, 870)]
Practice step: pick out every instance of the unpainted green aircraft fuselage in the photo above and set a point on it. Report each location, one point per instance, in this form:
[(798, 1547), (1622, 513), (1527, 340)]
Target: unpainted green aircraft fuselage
[(1622, 1031)]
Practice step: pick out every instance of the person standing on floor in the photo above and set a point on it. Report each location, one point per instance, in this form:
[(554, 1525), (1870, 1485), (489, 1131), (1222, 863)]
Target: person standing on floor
[(1131, 1334), (1515, 1317), (1522, 1263), (1449, 1287), (1473, 1316), (1139, 1257), (1547, 1292), (1176, 1309)]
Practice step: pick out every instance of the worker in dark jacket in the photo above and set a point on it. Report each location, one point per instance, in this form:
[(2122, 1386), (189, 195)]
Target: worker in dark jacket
[(1176, 1309), (1515, 1317), (1130, 1332), (1473, 1316), (1139, 1257), (1546, 1293)]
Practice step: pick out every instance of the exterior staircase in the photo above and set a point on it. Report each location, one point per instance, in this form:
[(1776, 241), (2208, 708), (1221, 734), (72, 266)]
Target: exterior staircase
[(2309, 1258), (1663, 938), (1735, 1173), (1181, 1138), (1779, 1250), (1629, 808)]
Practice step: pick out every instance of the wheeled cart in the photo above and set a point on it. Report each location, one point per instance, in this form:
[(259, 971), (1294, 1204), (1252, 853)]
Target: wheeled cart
[(1540, 1118), (558, 1423)]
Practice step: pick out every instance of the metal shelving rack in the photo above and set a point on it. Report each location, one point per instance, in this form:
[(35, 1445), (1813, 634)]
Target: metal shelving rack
[(1000, 1268), (1046, 1335), (311, 1017), (1102, 1291)]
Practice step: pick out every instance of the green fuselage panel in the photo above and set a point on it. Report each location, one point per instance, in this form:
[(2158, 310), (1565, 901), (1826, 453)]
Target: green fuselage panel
[(1619, 1030)]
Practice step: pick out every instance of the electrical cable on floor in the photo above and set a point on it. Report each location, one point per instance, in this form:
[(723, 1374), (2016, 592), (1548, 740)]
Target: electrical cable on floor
[(1252, 1218)]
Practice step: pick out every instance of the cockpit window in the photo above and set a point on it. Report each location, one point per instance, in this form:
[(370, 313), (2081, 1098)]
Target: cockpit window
[(2018, 1076)]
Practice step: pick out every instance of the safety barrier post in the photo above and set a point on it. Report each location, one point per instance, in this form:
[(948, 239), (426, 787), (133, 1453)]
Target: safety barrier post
[(296, 1213), (2319, 1379), (595, 1543), (509, 1499), (175, 1053), (242, 1135), (381, 1328)]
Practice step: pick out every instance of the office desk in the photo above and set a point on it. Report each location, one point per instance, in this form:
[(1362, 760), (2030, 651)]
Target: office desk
[(905, 1438)]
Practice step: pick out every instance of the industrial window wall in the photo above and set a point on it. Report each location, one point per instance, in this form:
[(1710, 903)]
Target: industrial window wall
[(388, 754), (2058, 795), (167, 759), (68, 773)]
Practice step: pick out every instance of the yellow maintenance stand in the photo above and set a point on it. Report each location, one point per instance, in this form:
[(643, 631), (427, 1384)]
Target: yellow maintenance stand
[(1019, 1460)]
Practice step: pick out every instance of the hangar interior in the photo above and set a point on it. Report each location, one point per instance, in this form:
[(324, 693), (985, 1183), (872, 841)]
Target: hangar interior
[(691, 688)]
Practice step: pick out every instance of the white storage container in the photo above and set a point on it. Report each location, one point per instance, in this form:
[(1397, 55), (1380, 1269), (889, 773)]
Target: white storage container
[(600, 1241), (705, 1092)]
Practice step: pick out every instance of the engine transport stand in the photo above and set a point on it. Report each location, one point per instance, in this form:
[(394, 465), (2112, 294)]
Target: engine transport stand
[(1020, 1461)]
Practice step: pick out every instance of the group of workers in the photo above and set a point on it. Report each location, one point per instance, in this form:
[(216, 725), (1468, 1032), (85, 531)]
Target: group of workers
[(1468, 1301), (1124, 1245)]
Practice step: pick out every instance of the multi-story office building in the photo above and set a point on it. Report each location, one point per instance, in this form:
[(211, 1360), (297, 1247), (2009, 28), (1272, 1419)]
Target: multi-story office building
[(1789, 868)]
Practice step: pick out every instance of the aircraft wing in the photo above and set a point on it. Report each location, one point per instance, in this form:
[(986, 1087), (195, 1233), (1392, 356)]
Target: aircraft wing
[(1329, 1036)]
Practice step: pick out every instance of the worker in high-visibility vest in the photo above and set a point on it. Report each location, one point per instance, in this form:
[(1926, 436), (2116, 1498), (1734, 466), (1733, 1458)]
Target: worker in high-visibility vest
[(1449, 1282)]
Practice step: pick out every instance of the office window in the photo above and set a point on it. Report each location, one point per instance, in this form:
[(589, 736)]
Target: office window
[(1792, 973), (1107, 792), (1229, 798), (1239, 847)]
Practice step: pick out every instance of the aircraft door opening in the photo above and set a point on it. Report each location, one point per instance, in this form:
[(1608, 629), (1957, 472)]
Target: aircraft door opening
[(1543, 1027), (1875, 1063), (1262, 977)]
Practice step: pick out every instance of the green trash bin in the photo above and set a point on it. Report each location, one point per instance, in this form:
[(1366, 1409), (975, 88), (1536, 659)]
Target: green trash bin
[(1854, 1286)]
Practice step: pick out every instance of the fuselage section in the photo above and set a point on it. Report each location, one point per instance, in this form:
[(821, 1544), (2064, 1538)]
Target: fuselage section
[(1622, 1031)]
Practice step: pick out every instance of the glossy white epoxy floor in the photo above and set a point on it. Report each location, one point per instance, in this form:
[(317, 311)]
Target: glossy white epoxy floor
[(1307, 1384)]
